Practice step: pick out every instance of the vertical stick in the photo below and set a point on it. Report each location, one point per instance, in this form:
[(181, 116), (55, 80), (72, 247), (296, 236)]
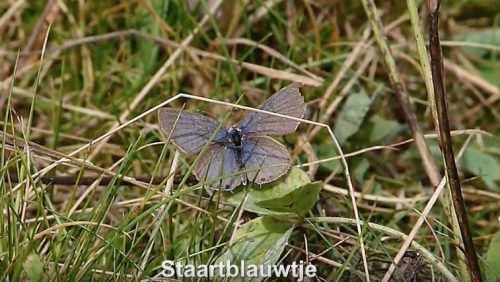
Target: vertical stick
[(443, 131)]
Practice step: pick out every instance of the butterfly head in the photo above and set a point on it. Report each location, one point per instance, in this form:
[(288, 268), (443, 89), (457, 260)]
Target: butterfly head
[(236, 135)]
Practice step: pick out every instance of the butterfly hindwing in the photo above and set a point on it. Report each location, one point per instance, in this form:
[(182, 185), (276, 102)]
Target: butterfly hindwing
[(218, 168), (265, 159)]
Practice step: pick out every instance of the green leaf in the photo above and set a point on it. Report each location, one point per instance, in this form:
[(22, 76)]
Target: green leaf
[(360, 169), (492, 262), (33, 267), (257, 242), (383, 128), (299, 201), (289, 196), (481, 164), (413, 155), (324, 151), (350, 118)]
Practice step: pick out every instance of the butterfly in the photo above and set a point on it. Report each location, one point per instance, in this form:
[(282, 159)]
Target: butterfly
[(242, 153)]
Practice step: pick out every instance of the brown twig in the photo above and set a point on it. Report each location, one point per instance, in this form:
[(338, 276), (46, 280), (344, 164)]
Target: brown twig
[(443, 130), (72, 180)]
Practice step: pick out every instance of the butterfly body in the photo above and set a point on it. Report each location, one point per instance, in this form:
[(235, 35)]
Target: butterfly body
[(235, 135), (243, 153)]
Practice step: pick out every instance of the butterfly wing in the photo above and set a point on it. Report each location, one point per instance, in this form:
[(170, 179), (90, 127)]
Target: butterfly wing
[(286, 101), (218, 168), (189, 132), (265, 159)]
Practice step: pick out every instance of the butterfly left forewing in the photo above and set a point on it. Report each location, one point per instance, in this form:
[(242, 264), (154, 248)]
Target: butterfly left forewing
[(189, 132)]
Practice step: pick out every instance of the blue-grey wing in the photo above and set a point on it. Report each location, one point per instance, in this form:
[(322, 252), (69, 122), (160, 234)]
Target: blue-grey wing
[(265, 159), (189, 132), (218, 168), (287, 101)]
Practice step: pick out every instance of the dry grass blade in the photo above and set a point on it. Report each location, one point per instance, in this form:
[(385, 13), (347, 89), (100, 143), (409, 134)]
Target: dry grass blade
[(476, 80), (13, 9), (274, 53), (358, 48), (37, 36)]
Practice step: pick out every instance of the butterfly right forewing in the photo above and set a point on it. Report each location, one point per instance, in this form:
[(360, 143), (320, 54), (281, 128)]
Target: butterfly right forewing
[(287, 101)]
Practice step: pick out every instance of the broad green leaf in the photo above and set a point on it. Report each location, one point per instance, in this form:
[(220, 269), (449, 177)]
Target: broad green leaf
[(299, 201), (492, 262), (257, 242), (34, 268), (383, 128), (350, 118), (481, 164), (280, 191)]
